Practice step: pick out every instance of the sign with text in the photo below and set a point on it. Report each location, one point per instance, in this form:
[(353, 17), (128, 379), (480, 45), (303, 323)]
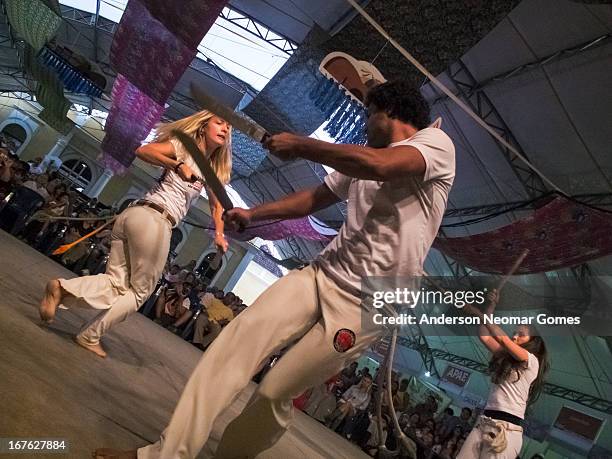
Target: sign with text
[(455, 375), (578, 423)]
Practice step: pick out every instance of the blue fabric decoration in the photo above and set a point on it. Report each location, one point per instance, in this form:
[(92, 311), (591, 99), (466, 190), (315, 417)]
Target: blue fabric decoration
[(72, 79), (248, 154), (266, 262)]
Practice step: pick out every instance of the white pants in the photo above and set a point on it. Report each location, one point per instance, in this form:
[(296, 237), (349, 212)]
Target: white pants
[(475, 448), (139, 247), (304, 306)]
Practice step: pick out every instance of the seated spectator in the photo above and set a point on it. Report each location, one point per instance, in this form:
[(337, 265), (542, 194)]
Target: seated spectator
[(76, 230), (12, 174), (172, 275), (37, 166), (401, 401), (437, 444), (364, 371), (322, 401), (209, 325), (189, 268), (427, 440), (455, 435), (422, 431), (385, 403), (427, 409), (459, 445), (195, 296), (190, 278), (465, 420), (39, 185), (40, 229), (448, 452), (446, 422), (412, 425), (98, 256), (55, 187), (175, 312), (354, 399), (374, 441), (348, 376)]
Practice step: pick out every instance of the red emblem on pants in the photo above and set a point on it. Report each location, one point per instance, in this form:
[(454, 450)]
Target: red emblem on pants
[(344, 339)]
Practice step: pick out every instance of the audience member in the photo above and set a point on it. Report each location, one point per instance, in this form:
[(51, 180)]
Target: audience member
[(401, 401), (38, 184), (209, 325), (175, 310), (354, 399)]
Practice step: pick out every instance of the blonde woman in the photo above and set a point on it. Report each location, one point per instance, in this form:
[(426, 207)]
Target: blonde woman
[(141, 234)]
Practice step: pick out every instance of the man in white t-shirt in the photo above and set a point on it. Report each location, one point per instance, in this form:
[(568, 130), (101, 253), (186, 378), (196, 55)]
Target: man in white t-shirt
[(397, 188)]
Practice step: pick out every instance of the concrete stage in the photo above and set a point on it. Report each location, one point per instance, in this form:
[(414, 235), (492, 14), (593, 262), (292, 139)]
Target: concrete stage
[(52, 388)]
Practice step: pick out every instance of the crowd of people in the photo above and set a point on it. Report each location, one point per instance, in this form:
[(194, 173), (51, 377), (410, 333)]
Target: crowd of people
[(39, 206), (185, 305), (346, 403), (36, 203)]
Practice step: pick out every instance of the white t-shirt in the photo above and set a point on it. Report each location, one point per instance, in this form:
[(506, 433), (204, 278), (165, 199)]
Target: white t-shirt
[(511, 395), (391, 225), (357, 397), (171, 191)]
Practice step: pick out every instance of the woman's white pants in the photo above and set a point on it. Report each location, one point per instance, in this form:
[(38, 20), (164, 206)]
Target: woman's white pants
[(139, 248)]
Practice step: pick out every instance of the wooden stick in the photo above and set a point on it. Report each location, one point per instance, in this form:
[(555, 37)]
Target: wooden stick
[(64, 248)]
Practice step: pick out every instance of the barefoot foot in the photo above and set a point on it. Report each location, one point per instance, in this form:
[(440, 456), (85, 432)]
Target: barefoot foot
[(50, 301), (108, 453), (95, 348)]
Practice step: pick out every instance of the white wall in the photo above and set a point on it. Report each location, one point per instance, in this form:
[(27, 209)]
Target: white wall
[(253, 282)]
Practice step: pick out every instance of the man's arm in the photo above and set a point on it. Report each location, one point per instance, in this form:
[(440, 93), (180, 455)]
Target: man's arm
[(295, 205), (356, 161)]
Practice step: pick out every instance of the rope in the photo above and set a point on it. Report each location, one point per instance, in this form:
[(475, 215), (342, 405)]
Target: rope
[(450, 94), (46, 217)]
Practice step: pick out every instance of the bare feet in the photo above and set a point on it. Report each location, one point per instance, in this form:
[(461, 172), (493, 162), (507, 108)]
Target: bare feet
[(50, 301), (95, 348), (108, 453)]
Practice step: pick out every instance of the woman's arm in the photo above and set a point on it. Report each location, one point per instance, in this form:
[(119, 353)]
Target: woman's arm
[(483, 332), (216, 210), (163, 154), (493, 336), (158, 154)]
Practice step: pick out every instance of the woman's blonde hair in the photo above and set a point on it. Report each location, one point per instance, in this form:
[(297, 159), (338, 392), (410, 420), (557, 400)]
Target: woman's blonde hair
[(221, 159)]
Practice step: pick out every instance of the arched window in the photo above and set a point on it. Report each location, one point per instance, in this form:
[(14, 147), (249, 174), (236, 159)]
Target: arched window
[(205, 271), (16, 134), (78, 172), (175, 239)]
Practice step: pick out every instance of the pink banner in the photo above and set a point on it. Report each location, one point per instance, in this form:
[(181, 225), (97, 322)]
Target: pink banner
[(273, 231), (155, 42), (560, 234)]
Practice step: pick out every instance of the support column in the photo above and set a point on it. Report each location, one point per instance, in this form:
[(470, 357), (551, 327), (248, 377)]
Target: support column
[(239, 271), (52, 157), (97, 188)]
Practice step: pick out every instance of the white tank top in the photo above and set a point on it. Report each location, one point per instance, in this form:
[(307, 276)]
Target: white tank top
[(171, 191)]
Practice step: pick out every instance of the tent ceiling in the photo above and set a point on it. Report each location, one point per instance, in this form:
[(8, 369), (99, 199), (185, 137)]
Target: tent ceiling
[(295, 18), (559, 112)]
